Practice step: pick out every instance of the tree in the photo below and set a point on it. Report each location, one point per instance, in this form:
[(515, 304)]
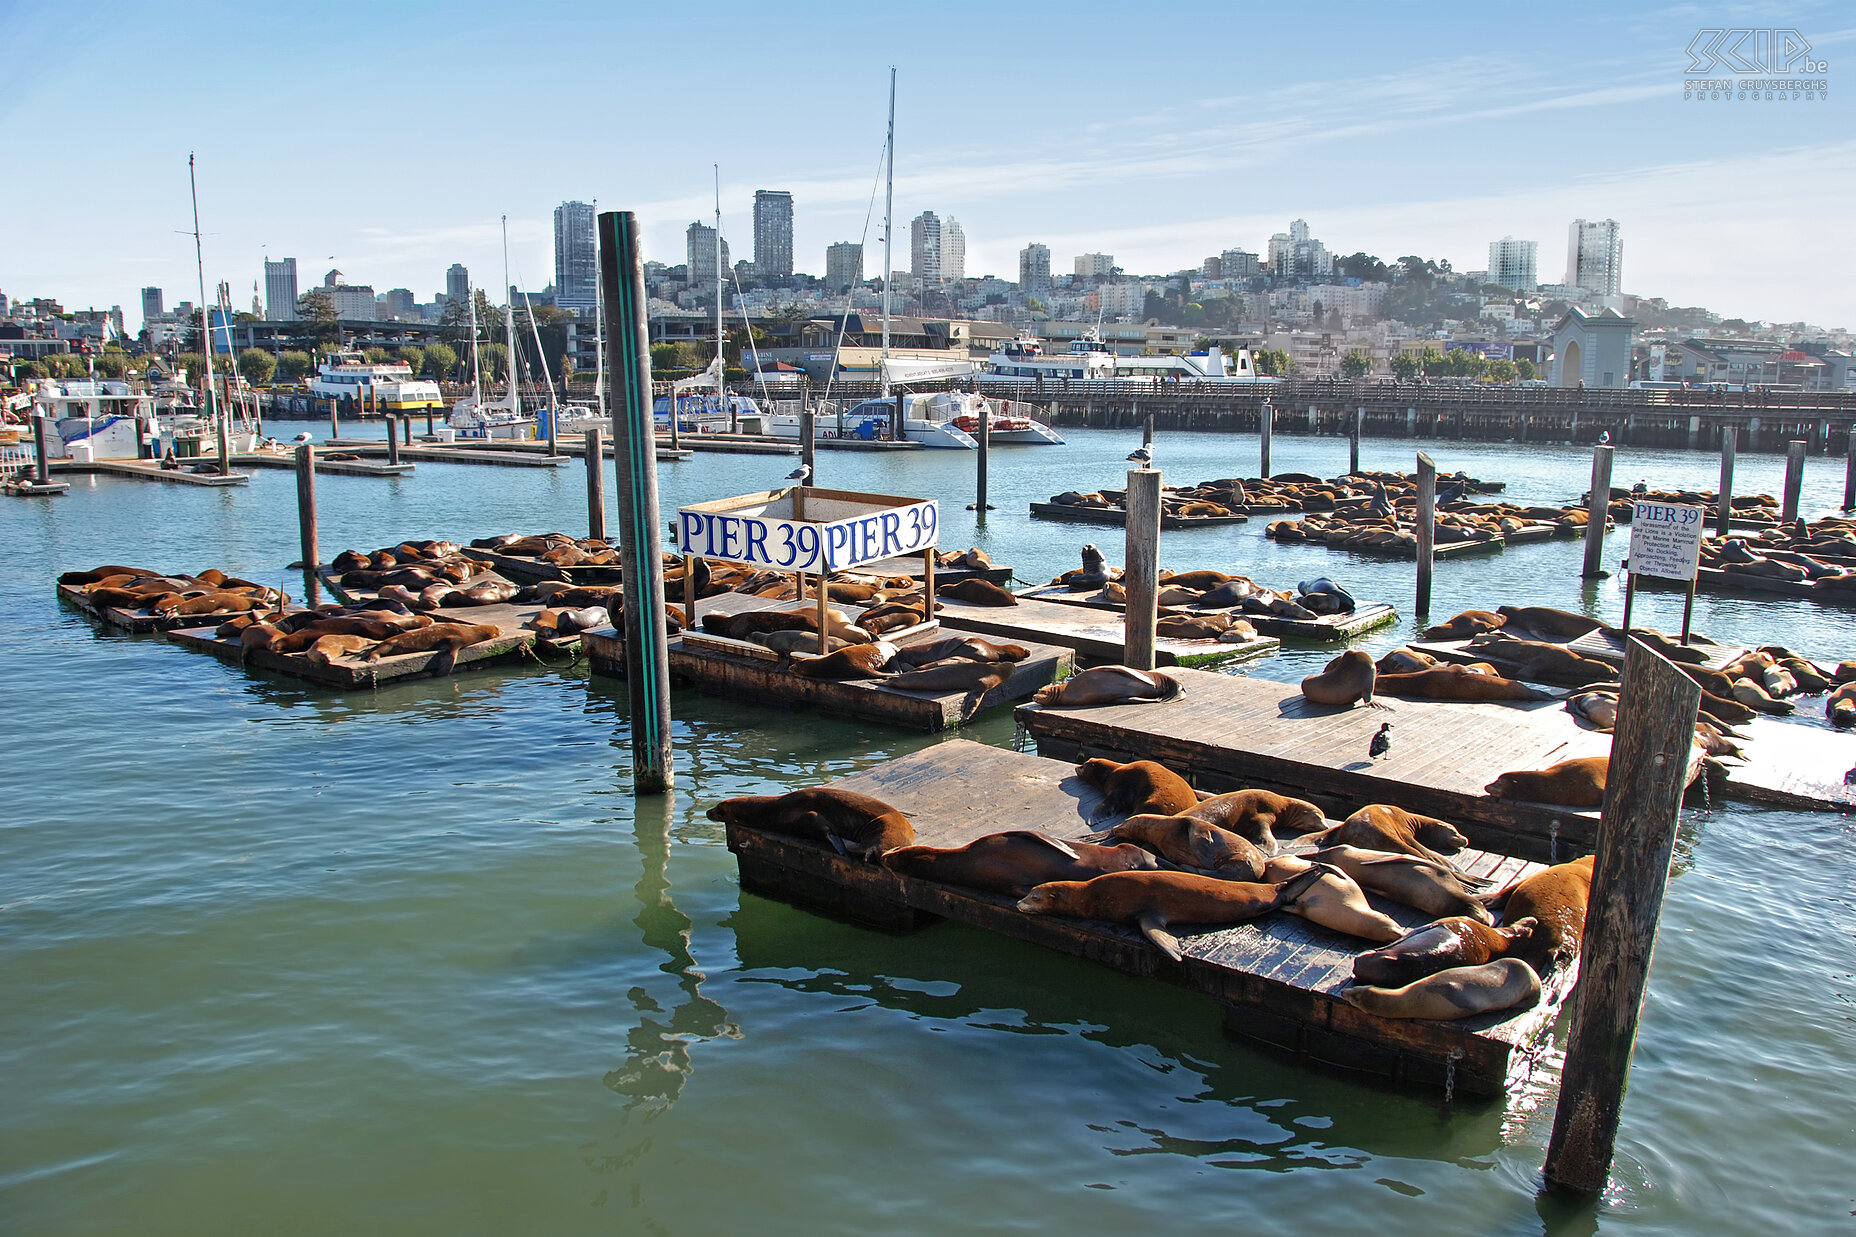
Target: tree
[(29, 370), (1404, 367), (1430, 361), (1272, 362), (494, 360), (113, 364), (413, 357), (440, 361), (1355, 365), (1524, 369), (257, 365), (1501, 371), (1362, 266), (193, 362), (294, 365), (317, 308), (454, 327), (376, 356)]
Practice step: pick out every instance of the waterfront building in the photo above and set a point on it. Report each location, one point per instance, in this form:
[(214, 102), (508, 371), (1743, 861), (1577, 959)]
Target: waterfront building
[(576, 257), (699, 256), (1592, 350), (844, 266), (1595, 256), (280, 290), (1094, 265), (773, 233), (151, 303), (457, 283), (1512, 264)]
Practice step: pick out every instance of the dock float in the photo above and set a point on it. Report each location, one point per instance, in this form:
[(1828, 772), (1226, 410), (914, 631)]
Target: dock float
[(349, 673), (138, 623), (150, 470), (325, 465), (1071, 513), (1091, 633), (1233, 733), (1277, 979), (513, 456), (1328, 628)]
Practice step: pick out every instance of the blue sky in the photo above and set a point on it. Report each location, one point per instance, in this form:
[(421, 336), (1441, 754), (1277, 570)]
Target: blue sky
[(387, 139)]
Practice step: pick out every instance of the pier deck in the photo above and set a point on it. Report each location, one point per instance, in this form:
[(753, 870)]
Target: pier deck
[(150, 470), (1328, 628), (133, 621), (1092, 633), (1278, 978)]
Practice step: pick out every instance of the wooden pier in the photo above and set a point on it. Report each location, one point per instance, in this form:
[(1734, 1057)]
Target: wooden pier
[(286, 461), (1072, 513), (1277, 979), (1234, 733), (1091, 633), (351, 673), (1327, 628), (150, 470), (138, 623)]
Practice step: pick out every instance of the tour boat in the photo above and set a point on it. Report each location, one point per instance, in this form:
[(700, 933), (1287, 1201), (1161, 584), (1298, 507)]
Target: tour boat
[(388, 385)]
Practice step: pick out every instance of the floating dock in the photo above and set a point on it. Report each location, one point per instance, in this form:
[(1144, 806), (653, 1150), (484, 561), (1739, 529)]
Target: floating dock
[(141, 624), (324, 465), (353, 673), (151, 470), (1278, 979), (1094, 634), (1072, 513), (1233, 733), (1328, 627)]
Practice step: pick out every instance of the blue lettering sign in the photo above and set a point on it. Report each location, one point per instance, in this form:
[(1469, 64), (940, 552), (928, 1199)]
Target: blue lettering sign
[(892, 524), (757, 542)]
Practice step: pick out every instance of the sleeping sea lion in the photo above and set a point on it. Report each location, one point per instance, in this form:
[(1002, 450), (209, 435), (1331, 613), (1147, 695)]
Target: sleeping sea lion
[(1456, 941), (1421, 884), (1016, 861), (1381, 826), (1555, 899), (1840, 706), (1404, 661), (1140, 786), (1198, 581), (1579, 782), (1194, 844), (1454, 683), (1546, 623), (855, 661), (1256, 815), (973, 648), (959, 674), (850, 823), (327, 648), (977, 592), (1346, 679), (1461, 992), (445, 639), (1111, 685), (798, 640), (1334, 900), (1152, 900)]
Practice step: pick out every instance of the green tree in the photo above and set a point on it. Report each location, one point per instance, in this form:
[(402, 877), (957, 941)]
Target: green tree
[(494, 361), (1405, 367), (1272, 362), (1355, 365), (377, 356), (66, 365), (294, 365), (316, 308), (454, 327), (1524, 369), (413, 356), (194, 363), (113, 364), (1430, 362), (1362, 266), (440, 361), (1501, 371), (257, 365), (28, 370)]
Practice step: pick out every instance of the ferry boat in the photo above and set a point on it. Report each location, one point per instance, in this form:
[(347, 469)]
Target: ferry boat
[(388, 385), (1023, 361), (945, 419)]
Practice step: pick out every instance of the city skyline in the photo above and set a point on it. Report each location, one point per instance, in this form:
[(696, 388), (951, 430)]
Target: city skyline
[(1402, 140)]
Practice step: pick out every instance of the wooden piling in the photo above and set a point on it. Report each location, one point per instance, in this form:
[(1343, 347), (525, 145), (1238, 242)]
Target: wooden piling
[(595, 484), (1849, 473), (406, 428), (628, 360), (1730, 442), (1427, 530), (1266, 418), (335, 428), (1142, 559), (393, 444), (554, 443), (808, 446), (1636, 837), (1794, 477), (41, 448), (306, 507), (1597, 507), (1353, 442), (985, 451)]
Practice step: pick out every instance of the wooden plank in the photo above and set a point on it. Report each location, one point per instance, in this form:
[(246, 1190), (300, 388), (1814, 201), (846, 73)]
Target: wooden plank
[(1093, 635), (351, 673), (1328, 628)]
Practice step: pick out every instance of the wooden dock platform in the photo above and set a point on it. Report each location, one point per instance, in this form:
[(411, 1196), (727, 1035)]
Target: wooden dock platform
[(1093, 634), (1795, 764), (1234, 733), (1328, 628), (138, 623), (1070, 513), (512, 455), (1278, 979), (350, 673), (324, 465), (150, 470)]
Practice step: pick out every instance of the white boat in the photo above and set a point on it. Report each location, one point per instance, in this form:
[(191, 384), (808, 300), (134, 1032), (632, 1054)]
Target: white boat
[(107, 420), (388, 385), (476, 417), (1024, 362), (945, 419)]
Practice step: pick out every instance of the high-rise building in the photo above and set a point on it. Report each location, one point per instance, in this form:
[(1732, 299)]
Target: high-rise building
[(1094, 265), (576, 257), (953, 250), (773, 233), (401, 304), (280, 290), (1595, 256), (937, 248), (1034, 271), (457, 283), (844, 265), (699, 249), (1238, 263), (1511, 264), (151, 303)]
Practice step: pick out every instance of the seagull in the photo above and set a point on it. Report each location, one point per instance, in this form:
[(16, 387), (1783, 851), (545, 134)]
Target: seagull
[(1641, 488), (302, 439), (1604, 438), (1382, 742), (1142, 456), (801, 474), (1849, 778)]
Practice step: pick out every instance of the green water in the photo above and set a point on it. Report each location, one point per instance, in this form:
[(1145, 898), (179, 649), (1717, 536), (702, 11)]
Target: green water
[(277, 959)]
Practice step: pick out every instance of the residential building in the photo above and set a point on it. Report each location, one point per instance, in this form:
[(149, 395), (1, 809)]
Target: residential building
[(1595, 256), (1511, 264), (1297, 255), (699, 256), (576, 258), (280, 290), (151, 303), (844, 266), (1126, 298), (1034, 271), (457, 283), (937, 249), (773, 233), (1237, 263), (1094, 265), (354, 301)]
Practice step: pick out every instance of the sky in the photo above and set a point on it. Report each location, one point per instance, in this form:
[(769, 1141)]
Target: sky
[(389, 140)]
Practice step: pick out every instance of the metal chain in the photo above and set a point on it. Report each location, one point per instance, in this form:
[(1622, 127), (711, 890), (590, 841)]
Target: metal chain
[(1456, 1054)]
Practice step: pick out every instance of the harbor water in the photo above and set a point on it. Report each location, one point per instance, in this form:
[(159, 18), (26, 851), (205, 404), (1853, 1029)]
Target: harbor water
[(278, 959)]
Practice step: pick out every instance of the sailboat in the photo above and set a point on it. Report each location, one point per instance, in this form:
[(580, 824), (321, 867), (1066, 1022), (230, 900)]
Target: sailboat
[(475, 417), (718, 410)]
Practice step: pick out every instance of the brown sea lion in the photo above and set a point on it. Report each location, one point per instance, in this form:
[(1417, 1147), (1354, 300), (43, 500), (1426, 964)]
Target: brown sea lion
[(213, 603), (973, 648), (1456, 941), (799, 640), (1334, 900), (1461, 992), (1111, 685), (1840, 706), (1579, 782), (1555, 899), (259, 636), (1541, 661), (447, 640), (1194, 627), (1846, 671), (856, 661), (1382, 826), (958, 675), (893, 616), (1423, 884), (1755, 697), (850, 823), (1152, 900), (1546, 623), (1346, 679), (75, 578), (1199, 581), (1468, 623), (1140, 786), (1016, 861), (1454, 683), (1404, 661), (1194, 844), (1256, 815), (977, 592), (329, 647)]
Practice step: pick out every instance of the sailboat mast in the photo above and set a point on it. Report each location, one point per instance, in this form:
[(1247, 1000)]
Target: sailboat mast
[(476, 374), (889, 223), (509, 330), (206, 322), (719, 364)]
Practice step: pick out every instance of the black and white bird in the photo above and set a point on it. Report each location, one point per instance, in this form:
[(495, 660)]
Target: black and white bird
[(801, 474), (1849, 778), (1382, 742), (302, 439), (1142, 456), (1640, 489), (1604, 438)]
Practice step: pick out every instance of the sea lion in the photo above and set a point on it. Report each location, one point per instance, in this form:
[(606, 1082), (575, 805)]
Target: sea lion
[(976, 592), (1381, 826), (1598, 708), (447, 640), (1452, 942), (1840, 706), (1753, 696), (327, 648), (1233, 592), (1579, 782), (1111, 685), (798, 640), (1404, 661), (976, 678), (1461, 992), (1546, 623), (973, 648), (856, 661), (1334, 900), (1140, 786), (1153, 900), (1555, 899), (852, 824), (1198, 581), (1255, 815), (1454, 683), (1422, 884), (1321, 586), (1199, 627), (1194, 844), (1017, 861), (1346, 679), (1094, 573), (1541, 661), (75, 578), (895, 615)]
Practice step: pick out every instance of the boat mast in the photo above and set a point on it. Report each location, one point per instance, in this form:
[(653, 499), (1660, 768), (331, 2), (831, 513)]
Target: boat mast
[(889, 224), (206, 323), (719, 366), (509, 330), (599, 339), (476, 375)]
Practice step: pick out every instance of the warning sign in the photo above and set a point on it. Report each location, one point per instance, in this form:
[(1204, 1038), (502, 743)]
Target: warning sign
[(1665, 540)]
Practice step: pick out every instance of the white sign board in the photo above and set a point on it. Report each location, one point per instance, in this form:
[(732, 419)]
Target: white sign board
[(1665, 540), (842, 538)]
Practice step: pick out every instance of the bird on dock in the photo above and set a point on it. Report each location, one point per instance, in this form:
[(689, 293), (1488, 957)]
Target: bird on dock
[(1142, 456), (801, 474), (1382, 742), (1640, 489), (1604, 438), (1849, 778), (302, 439)]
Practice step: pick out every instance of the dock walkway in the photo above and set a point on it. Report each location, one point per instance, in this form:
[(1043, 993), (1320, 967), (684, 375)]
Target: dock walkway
[(1092, 633), (1328, 628)]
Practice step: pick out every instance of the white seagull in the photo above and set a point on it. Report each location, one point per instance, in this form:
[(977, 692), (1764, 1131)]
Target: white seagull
[(301, 439), (801, 474), (1142, 456)]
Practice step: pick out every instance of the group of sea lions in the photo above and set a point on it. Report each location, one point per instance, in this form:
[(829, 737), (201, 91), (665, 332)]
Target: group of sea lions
[(1377, 511), (423, 576), (1821, 554), (140, 590), (1749, 507), (1203, 603), (367, 633), (1181, 858)]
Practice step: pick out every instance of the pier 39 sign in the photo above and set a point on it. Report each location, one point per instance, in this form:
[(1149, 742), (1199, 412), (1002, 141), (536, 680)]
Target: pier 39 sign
[(808, 530), (1665, 540)]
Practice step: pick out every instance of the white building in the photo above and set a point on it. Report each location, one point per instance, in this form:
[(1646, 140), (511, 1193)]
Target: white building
[(844, 265), (1595, 256), (1094, 265), (280, 290), (1125, 298), (937, 249), (1512, 264), (576, 258), (1034, 271)]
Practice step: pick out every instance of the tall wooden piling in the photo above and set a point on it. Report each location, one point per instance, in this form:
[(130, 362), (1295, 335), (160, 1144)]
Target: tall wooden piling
[(808, 445), (1427, 530), (393, 443), (1636, 837), (335, 428), (41, 448), (1142, 574), (1353, 442), (1724, 511), (1849, 473), (595, 484), (1794, 477), (1266, 419), (306, 507), (1597, 507), (985, 452), (628, 360), (554, 441)]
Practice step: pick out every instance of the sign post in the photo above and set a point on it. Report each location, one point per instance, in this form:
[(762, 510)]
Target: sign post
[(1665, 542)]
